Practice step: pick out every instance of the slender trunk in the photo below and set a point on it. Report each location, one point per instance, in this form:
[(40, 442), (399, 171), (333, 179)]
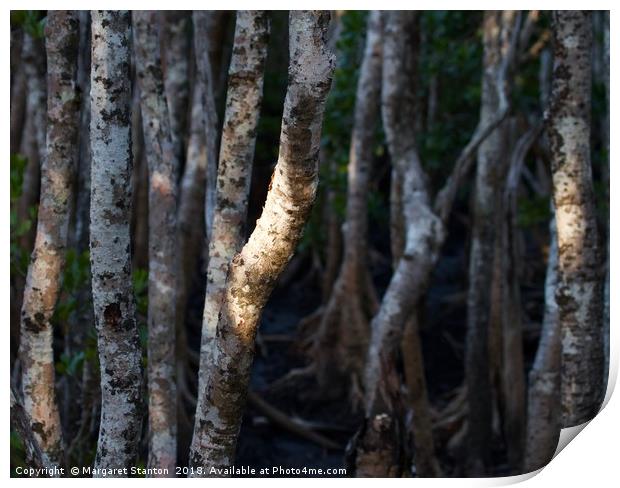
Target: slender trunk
[(163, 170), (543, 404), (82, 208), (580, 282), (421, 230), (343, 334), (33, 139), (512, 372), (110, 210), (253, 271), (44, 273), (176, 46), (203, 25), (21, 423), (245, 92), (499, 30)]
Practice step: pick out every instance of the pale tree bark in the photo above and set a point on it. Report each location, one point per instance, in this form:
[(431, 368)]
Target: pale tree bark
[(340, 345), (424, 226), (203, 22), (110, 210), (245, 92), (191, 232), (543, 403), (176, 47), (32, 147), (499, 29), (44, 273), (421, 230), (163, 170), (254, 270), (580, 281)]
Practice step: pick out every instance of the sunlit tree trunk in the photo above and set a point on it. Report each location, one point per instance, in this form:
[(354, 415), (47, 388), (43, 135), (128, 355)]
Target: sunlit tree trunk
[(245, 92), (342, 338), (110, 210), (254, 270), (498, 31), (580, 282), (44, 273), (163, 189)]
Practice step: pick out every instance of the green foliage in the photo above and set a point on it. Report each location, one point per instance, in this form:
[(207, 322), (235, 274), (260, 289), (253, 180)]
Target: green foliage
[(533, 211), (17, 452), (451, 55), (32, 21), (337, 126), (19, 226)]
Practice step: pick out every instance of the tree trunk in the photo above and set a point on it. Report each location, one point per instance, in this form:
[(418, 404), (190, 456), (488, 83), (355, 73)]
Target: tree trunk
[(110, 210), (203, 25), (20, 422), (421, 230), (163, 189), (580, 282), (176, 47), (342, 339), (44, 273), (245, 92), (543, 407), (512, 367), (499, 29), (606, 182), (254, 271)]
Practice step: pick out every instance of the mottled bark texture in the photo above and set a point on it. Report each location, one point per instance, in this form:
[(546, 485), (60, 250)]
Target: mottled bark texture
[(203, 22), (20, 422), (243, 101), (44, 272), (543, 403), (253, 271), (580, 282), (163, 169), (176, 47), (422, 231), (499, 32), (110, 210), (340, 346)]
